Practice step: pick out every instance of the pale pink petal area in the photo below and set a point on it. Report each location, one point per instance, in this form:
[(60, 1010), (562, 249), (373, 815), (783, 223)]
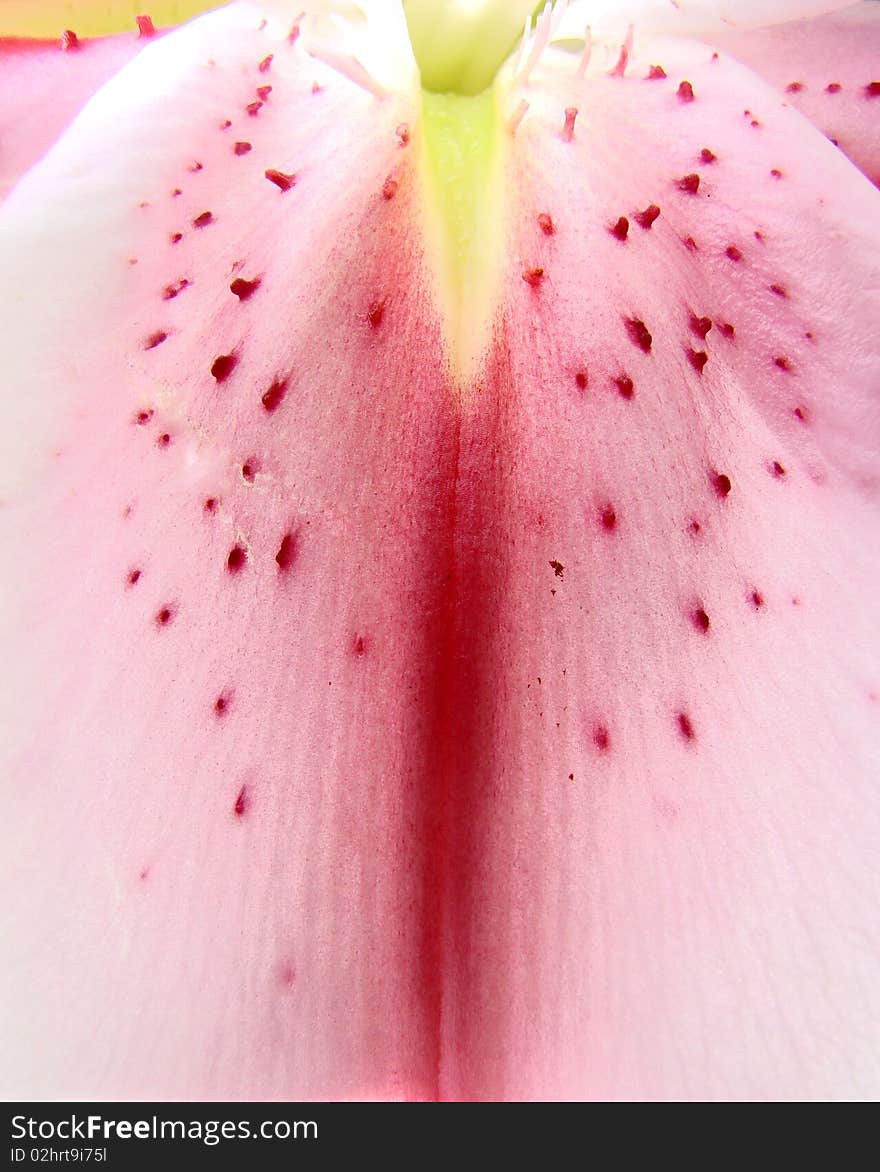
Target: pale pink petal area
[(44, 85), (226, 469), (665, 873), (829, 69), (368, 734)]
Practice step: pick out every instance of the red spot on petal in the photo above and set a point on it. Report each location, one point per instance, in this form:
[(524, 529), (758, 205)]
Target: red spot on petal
[(69, 41), (164, 440), (242, 148), (757, 599), (685, 726), (707, 156), (266, 64), (165, 616), (175, 237), (402, 132), (777, 470), (624, 385), (533, 276), (782, 362), (646, 218), (872, 89), (143, 417), (252, 109), (203, 220), (620, 230), (273, 398), (697, 359), (389, 188), (601, 738), (721, 483), (833, 87), (545, 222), (568, 128), (608, 517), (171, 291), (690, 184), (282, 181), (802, 414), (727, 330), (145, 26), (237, 559), (582, 380), (243, 289), (685, 92), (655, 73), (733, 253), (133, 577), (222, 703), (375, 313), (639, 334), (776, 173), (287, 552), (210, 504), (779, 291), (700, 620), (263, 92), (155, 339), (223, 366), (242, 802), (794, 87), (700, 325)]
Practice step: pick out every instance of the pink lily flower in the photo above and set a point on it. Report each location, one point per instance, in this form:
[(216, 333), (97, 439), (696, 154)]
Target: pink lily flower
[(439, 605)]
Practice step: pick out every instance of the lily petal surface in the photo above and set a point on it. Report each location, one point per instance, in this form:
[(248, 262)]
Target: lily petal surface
[(441, 544)]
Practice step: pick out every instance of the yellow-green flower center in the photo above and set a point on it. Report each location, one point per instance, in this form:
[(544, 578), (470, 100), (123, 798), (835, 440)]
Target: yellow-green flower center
[(460, 44)]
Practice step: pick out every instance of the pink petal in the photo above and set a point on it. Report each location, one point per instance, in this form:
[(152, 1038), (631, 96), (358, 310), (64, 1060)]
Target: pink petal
[(669, 763), (43, 88), (395, 738), (829, 69), (231, 530)]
